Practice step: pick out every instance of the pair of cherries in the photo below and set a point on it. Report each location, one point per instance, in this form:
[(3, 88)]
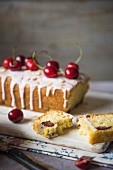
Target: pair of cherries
[(10, 63), (52, 69), (19, 61)]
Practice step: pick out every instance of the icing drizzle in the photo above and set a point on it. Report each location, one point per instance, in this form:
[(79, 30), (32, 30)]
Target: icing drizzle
[(37, 78), (89, 123)]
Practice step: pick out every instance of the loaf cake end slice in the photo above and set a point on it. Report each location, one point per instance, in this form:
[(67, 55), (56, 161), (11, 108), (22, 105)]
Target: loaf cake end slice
[(98, 127)]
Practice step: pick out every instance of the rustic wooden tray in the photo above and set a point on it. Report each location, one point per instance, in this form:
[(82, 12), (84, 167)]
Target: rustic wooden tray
[(94, 102)]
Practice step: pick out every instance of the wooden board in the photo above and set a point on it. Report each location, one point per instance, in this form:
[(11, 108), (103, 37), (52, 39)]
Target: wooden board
[(94, 102)]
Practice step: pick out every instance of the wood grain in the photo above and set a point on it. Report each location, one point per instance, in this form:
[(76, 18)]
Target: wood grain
[(56, 26)]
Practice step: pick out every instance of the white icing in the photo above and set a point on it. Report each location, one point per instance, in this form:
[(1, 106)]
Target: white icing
[(53, 92), (48, 91), (31, 96), (65, 101), (3, 90), (90, 124), (21, 89), (67, 114), (39, 95), (37, 78)]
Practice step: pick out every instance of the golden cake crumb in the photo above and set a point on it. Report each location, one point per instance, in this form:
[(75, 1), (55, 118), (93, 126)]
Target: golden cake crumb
[(52, 123)]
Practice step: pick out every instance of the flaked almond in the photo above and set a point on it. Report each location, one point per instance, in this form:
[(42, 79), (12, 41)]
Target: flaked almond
[(61, 80), (49, 84), (38, 73), (35, 79), (2, 70)]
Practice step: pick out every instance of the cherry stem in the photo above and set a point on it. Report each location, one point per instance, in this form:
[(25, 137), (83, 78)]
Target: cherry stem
[(34, 59), (44, 53), (81, 53), (13, 55)]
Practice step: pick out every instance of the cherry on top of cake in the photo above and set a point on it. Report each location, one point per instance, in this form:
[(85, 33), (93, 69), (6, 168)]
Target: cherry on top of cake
[(51, 76), (51, 69)]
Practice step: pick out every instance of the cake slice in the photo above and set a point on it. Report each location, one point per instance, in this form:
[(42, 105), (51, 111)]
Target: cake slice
[(98, 127), (52, 123)]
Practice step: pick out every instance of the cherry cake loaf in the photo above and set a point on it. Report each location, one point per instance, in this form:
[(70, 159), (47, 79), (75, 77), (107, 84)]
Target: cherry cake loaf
[(98, 127), (32, 90)]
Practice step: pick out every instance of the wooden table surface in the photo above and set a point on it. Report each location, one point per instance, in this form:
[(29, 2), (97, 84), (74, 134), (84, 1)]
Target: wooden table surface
[(7, 163)]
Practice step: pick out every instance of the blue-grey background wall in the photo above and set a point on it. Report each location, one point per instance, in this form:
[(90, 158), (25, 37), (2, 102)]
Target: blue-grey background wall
[(56, 26)]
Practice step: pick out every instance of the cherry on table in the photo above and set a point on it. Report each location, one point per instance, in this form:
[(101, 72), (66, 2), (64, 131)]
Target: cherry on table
[(30, 64), (15, 115), (53, 64), (6, 62), (50, 71), (15, 65), (71, 73), (83, 162)]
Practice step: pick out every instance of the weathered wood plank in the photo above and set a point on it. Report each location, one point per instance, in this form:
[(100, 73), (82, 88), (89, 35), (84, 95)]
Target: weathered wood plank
[(55, 26)]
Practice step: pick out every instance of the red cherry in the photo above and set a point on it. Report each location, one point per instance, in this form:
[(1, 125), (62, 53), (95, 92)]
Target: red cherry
[(30, 64), (50, 72), (6, 62), (26, 59), (53, 63), (71, 73), (21, 59), (15, 115), (15, 65), (83, 162), (74, 65)]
